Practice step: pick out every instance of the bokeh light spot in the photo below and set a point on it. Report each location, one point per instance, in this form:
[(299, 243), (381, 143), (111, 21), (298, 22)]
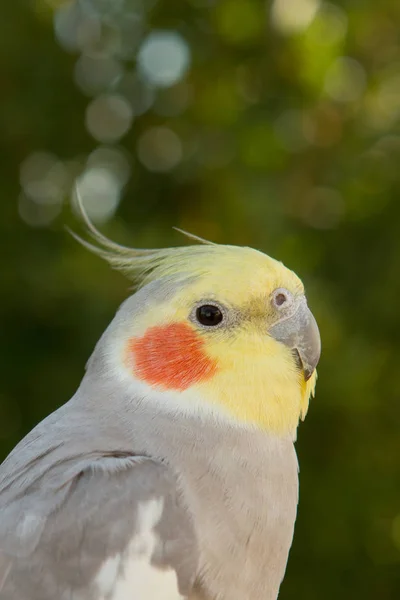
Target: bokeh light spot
[(113, 159), (35, 214), (108, 117), (99, 190), (345, 80), (330, 25), (293, 16), (382, 106), (159, 149), (44, 178), (94, 74), (138, 92), (163, 58), (74, 30)]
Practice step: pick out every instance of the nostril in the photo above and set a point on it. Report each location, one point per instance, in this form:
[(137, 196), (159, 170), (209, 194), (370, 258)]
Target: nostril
[(280, 299)]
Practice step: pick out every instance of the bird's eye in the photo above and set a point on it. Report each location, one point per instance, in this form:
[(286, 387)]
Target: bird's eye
[(209, 315)]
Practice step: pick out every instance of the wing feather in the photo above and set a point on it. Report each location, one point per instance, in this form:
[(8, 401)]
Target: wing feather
[(109, 525)]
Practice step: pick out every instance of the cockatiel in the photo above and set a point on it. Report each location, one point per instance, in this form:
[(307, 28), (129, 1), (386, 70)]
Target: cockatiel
[(171, 473)]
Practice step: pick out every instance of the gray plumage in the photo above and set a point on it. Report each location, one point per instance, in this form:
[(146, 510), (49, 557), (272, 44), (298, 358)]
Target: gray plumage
[(71, 492)]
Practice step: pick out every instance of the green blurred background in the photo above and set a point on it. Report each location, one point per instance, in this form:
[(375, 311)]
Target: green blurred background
[(272, 124)]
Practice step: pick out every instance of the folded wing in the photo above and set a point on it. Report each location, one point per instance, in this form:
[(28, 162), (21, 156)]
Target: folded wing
[(106, 526)]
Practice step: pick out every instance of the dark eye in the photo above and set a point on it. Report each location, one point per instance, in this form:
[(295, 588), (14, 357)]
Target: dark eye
[(209, 315)]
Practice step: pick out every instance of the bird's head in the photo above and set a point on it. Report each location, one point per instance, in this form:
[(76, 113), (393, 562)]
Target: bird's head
[(224, 327)]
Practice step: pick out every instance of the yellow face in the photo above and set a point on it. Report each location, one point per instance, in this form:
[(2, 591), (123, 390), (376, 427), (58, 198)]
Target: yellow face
[(213, 336)]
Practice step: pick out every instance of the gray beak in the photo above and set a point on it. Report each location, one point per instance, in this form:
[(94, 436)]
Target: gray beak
[(298, 330)]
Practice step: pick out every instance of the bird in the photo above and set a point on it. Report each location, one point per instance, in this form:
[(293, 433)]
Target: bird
[(172, 472)]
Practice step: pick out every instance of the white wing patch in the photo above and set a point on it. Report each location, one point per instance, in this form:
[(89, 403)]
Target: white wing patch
[(145, 582), (131, 576), (107, 576)]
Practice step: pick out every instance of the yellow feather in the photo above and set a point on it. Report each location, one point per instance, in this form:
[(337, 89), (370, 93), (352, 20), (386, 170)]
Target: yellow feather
[(257, 380)]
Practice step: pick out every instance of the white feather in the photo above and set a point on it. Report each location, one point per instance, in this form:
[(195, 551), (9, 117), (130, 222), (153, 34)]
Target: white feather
[(131, 576)]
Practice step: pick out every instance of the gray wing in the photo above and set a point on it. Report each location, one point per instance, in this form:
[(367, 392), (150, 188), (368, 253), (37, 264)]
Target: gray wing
[(102, 526)]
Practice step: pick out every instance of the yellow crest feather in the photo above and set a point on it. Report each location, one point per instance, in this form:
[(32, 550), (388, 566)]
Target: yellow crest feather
[(144, 265)]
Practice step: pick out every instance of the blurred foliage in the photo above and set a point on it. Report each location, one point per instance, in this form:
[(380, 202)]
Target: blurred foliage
[(269, 124)]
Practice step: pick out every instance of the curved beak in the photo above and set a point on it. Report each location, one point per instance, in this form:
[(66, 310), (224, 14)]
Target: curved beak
[(299, 331)]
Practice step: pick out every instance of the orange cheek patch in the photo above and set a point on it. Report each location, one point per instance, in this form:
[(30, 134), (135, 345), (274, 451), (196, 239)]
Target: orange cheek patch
[(171, 357)]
